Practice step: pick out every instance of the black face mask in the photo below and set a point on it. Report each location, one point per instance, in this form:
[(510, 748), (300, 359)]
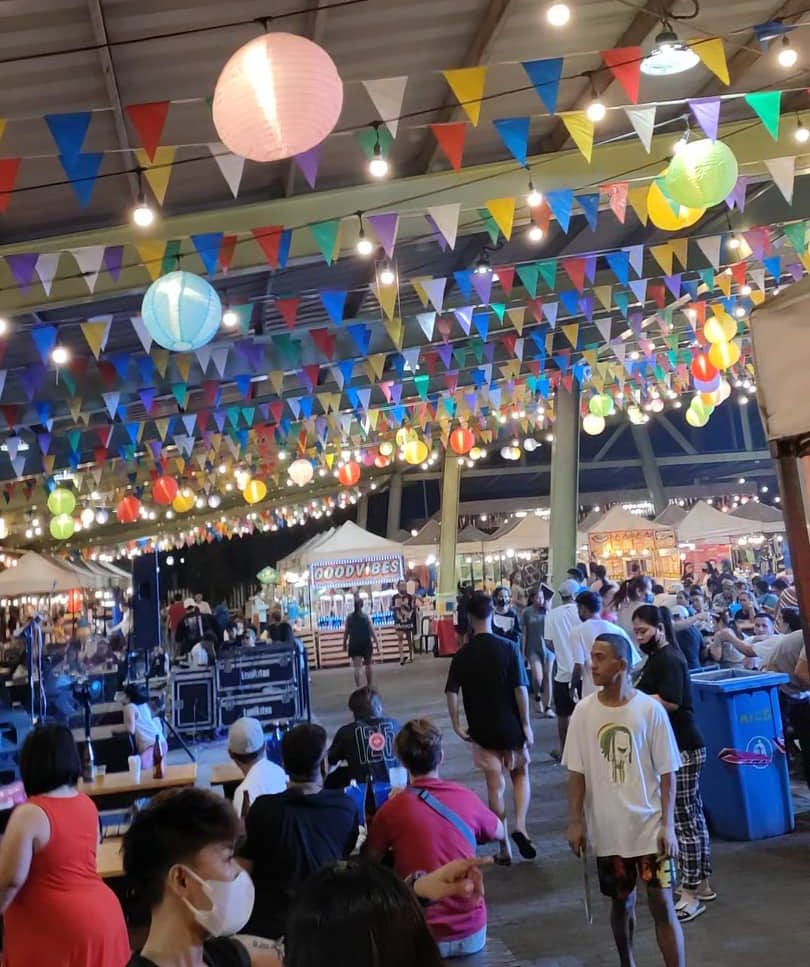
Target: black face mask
[(649, 647), (500, 602)]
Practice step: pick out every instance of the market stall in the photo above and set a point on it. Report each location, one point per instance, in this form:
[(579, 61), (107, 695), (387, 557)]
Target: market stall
[(520, 545), (707, 534), (625, 543)]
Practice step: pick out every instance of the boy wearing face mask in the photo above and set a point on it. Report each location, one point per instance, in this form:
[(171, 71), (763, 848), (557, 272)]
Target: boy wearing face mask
[(179, 858), (505, 620)]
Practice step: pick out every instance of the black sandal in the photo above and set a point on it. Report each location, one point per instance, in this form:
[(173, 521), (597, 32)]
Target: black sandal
[(524, 844)]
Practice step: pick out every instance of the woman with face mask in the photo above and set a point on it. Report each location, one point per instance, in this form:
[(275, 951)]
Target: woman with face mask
[(665, 676)]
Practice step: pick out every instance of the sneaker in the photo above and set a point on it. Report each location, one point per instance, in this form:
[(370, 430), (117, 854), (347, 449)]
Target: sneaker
[(402, 661), (686, 911), (550, 713), (705, 893)]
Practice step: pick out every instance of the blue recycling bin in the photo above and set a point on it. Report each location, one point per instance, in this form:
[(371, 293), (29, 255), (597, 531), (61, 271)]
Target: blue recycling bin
[(745, 783)]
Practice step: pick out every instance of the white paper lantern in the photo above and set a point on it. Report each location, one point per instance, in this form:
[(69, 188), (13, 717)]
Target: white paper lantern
[(592, 424), (301, 472), (277, 96)]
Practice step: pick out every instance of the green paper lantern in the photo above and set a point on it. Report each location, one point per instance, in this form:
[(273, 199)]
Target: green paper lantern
[(61, 501), (601, 405), (695, 419), (62, 526), (701, 409), (702, 174)]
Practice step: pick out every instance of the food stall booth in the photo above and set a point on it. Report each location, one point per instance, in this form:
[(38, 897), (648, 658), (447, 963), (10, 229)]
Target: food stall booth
[(708, 534), (621, 541)]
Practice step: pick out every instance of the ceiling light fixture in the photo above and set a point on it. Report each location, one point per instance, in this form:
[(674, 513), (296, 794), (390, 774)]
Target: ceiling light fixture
[(378, 166), (142, 214), (3, 326), (558, 14), (229, 318), (364, 245), (787, 56), (482, 266), (801, 134), (387, 275), (596, 110), (534, 197), (668, 55), (60, 355), (535, 234)]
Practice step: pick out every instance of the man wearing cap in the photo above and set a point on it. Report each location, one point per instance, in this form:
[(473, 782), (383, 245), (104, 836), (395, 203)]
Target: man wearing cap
[(248, 749), (560, 623), (192, 628)]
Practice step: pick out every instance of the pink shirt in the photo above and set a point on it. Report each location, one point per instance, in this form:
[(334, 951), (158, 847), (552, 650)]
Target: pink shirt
[(421, 839)]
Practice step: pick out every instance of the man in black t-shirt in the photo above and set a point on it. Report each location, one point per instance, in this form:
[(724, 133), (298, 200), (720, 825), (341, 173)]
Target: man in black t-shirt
[(366, 745), (404, 608), (292, 834), (490, 674)]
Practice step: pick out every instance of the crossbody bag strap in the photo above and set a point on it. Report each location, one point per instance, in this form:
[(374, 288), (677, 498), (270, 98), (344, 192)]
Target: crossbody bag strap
[(446, 813)]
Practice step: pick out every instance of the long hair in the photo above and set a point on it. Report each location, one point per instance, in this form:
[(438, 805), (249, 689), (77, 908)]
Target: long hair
[(655, 616), (628, 591)]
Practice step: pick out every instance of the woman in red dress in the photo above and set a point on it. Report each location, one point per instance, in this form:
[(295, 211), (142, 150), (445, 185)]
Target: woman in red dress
[(57, 910)]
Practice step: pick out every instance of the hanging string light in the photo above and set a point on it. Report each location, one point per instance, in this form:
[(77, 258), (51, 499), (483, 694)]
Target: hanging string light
[(787, 56), (386, 275), (482, 265), (364, 245), (142, 214), (378, 166), (801, 134), (558, 14), (534, 197), (596, 110)]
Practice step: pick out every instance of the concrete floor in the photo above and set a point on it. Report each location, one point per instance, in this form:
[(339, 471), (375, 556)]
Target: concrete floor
[(536, 909)]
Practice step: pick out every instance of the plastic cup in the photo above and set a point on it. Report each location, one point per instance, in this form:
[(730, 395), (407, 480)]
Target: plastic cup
[(101, 771), (134, 765), (398, 776)]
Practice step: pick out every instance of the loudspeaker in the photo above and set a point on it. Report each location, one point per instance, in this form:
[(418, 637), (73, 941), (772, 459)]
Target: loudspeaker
[(145, 602)]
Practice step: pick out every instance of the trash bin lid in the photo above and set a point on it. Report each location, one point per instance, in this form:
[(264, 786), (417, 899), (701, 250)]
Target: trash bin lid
[(738, 680)]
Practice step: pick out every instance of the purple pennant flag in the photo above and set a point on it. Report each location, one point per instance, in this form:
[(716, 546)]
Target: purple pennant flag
[(489, 352), (590, 266), (44, 441), (706, 111), (219, 419), (32, 378), (385, 227), (113, 260), (396, 393), (586, 304), (156, 446), (308, 162), (636, 318), (441, 241), (795, 270), (23, 267), (482, 283), (736, 196), (445, 353), (759, 239), (673, 283)]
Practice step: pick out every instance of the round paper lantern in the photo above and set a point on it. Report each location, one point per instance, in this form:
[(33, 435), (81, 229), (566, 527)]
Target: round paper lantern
[(349, 474), (164, 490), (61, 501), (700, 408), (62, 527), (720, 328), (694, 419), (708, 399), (386, 448), (724, 354), (75, 601), (128, 511), (703, 368), (183, 502), (381, 461), (706, 386), (301, 472), (723, 391), (276, 97), (416, 451), (255, 490), (181, 311), (702, 174), (593, 424), (403, 435), (662, 216), (462, 440), (601, 405)]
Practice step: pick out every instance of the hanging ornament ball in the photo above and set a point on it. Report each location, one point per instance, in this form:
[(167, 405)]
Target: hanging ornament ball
[(724, 354), (301, 472), (702, 174), (703, 368), (709, 399), (61, 501), (183, 502), (720, 328), (381, 461), (62, 527), (277, 96), (255, 490), (462, 440), (708, 385), (723, 391), (416, 452), (386, 448), (701, 408), (128, 511), (693, 418), (181, 311), (662, 214), (601, 405), (164, 490), (593, 424), (349, 474)]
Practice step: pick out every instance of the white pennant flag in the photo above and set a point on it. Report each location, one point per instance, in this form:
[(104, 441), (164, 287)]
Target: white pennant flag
[(411, 357), (758, 278), (783, 172), (427, 320), (710, 247), (434, 289), (386, 95), (519, 343), (111, 401), (3, 374), (445, 218), (203, 355), (46, 267), (220, 356), (230, 165), (643, 121), (143, 333), (604, 327), (89, 260)]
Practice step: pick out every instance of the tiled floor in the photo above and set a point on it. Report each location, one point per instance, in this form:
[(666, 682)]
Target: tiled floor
[(536, 909)]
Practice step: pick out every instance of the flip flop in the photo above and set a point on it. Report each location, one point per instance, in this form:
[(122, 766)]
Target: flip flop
[(503, 860), (686, 915), (524, 844)]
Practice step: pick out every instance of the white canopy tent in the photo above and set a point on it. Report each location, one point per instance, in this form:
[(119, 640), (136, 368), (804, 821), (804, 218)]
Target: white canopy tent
[(619, 519), (767, 519), (85, 578), (293, 561), (35, 574), (521, 534), (672, 515), (349, 540), (706, 523)]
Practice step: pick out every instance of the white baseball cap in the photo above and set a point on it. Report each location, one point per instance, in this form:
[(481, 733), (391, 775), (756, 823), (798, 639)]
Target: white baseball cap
[(246, 737), (570, 589), (679, 611)]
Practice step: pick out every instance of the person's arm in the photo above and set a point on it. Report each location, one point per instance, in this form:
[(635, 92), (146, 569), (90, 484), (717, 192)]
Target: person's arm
[(522, 699), (726, 634), (28, 823), (457, 878), (374, 637), (129, 719), (346, 635), (679, 623), (452, 709), (262, 952), (667, 840), (577, 836)]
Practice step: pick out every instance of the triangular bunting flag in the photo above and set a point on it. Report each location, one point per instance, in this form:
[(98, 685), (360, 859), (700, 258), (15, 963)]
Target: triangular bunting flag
[(89, 260), (467, 83), (590, 206), (713, 54), (560, 203), (503, 212), (643, 121), (46, 268), (149, 121), (44, 339), (617, 198), (710, 246), (638, 202), (706, 111), (208, 246), (663, 256), (434, 289), (385, 227), (157, 170), (783, 172), (545, 77), (308, 163), (326, 237), (150, 254), (450, 138), (444, 219), (514, 133), (9, 169), (82, 172), (767, 106), (386, 95), (231, 166), (69, 131), (96, 332), (624, 63), (580, 128)]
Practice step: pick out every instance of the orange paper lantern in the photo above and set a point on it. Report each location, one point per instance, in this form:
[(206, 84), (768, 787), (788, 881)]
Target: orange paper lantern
[(75, 601), (462, 440), (349, 474), (128, 511), (164, 490)]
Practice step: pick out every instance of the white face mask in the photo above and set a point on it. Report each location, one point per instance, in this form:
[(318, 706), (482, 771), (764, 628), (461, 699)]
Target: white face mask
[(231, 904)]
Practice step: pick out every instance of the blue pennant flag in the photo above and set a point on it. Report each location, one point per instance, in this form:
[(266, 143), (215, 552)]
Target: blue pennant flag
[(545, 76), (514, 133), (590, 206), (334, 301), (619, 263), (69, 131), (82, 171), (44, 339), (361, 334), (560, 203), (464, 282), (774, 266), (208, 248), (570, 299)]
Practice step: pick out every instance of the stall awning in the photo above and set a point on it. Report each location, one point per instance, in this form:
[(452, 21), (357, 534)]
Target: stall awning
[(521, 534), (704, 522), (351, 541), (35, 574)]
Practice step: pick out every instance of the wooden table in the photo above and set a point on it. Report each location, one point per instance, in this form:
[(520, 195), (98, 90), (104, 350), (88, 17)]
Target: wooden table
[(116, 789), (228, 775), (109, 862)]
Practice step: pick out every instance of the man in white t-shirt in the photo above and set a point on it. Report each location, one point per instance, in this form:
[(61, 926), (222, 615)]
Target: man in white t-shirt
[(589, 607), (622, 758), (248, 749), (560, 623)]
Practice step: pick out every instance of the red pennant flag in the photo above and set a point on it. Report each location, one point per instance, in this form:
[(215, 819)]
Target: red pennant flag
[(270, 240), (506, 277), (100, 455), (617, 198), (451, 139), (78, 366), (575, 270), (451, 381), (534, 367), (658, 294), (149, 120), (738, 272), (624, 63), (429, 360), (11, 412), (311, 372), (9, 167), (202, 419), (509, 339), (325, 341), (107, 372), (277, 408), (535, 306), (210, 387), (699, 310), (289, 310), (226, 252)]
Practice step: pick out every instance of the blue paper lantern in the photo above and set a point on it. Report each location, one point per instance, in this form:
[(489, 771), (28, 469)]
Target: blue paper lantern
[(181, 311)]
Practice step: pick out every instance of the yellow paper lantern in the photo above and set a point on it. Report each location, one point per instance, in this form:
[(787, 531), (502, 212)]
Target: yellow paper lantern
[(183, 502), (693, 418), (255, 491), (404, 434), (415, 451), (720, 328), (662, 215), (724, 355), (592, 424)]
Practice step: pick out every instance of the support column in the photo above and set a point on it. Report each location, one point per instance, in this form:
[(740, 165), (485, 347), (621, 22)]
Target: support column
[(564, 497), (448, 534), (652, 474), (394, 505), (362, 512)]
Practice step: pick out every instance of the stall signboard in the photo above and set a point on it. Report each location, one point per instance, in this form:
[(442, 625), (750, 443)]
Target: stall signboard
[(377, 569)]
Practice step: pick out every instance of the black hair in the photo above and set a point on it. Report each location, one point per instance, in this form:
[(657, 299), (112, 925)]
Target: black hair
[(302, 750), (479, 605), (358, 914), (620, 646), (358, 604), (599, 571), (658, 588), (791, 617), (177, 597), (575, 573), (655, 617), (763, 614), (780, 584), (49, 759), (137, 694), (365, 703), (171, 829), (419, 746), (590, 601), (762, 585), (499, 591)]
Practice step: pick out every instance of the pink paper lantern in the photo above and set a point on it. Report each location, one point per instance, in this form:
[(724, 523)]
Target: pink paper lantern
[(277, 96)]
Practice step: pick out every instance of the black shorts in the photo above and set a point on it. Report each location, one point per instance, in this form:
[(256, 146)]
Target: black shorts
[(563, 703), (618, 875), (360, 651)]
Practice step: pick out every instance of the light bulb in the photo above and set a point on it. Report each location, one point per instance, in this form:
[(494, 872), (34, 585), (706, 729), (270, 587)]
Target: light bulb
[(3, 326), (680, 144), (229, 318), (535, 197), (142, 214), (60, 355), (801, 134), (364, 245), (378, 166), (596, 111), (558, 14), (745, 289), (535, 234), (734, 242), (387, 276), (739, 312), (787, 55)]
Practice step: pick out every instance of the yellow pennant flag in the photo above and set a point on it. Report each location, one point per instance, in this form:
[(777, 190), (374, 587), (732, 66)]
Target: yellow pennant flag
[(511, 370), (277, 381), (503, 213), (679, 248), (216, 443), (805, 260), (160, 357), (386, 295), (467, 84), (162, 427), (158, 171), (375, 365), (96, 335), (75, 407), (580, 128), (589, 355), (598, 382), (419, 289), (373, 418), (183, 363), (723, 282), (757, 297), (394, 329), (151, 255), (712, 52), (663, 256), (571, 333), (549, 343), (48, 460), (516, 316), (604, 293), (638, 202)]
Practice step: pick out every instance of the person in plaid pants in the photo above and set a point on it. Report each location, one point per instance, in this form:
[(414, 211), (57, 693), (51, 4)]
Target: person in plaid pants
[(666, 678)]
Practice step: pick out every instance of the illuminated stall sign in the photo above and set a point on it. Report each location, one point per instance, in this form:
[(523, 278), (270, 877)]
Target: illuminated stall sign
[(383, 569)]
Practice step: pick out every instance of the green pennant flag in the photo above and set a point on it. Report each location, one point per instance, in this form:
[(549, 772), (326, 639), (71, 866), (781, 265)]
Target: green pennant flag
[(490, 224), (767, 105), (796, 233), (68, 380), (367, 139), (421, 382), (672, 341), (707, 277), (233, 415), (478, 351), (528, 275), (673, 358), (248, 414), (460, 356), (548, 270), (325, 235), (499, 308), (244, 314), (449, 404), (674, 205), (180, 393), (171, 255)]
